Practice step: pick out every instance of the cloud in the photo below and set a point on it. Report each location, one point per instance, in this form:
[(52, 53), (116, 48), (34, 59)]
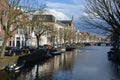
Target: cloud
[(79, 1), (75, 9), (68, 9), (59, 15)]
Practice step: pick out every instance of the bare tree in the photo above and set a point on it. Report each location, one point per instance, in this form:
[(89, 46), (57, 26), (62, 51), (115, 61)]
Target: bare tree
[(66, 34), (40, 26), (12, 18), (53, 34), (105, 15)]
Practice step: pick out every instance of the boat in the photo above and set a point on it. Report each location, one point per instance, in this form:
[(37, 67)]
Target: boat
[(48, 55), (15, 66), (112, 55), (69, 48), (56, 52)]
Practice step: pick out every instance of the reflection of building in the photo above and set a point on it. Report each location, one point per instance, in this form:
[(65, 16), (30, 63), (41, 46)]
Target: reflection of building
[(51, 67)]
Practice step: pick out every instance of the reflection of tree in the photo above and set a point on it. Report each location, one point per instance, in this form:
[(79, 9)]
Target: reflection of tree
[(67, 63), (63, 62), (47, 70)]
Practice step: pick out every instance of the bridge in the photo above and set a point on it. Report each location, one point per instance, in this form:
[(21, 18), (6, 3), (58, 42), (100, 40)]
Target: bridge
[(97, 43)]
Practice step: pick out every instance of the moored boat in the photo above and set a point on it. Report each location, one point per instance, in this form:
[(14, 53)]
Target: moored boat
[(56, 52), (14, 67)]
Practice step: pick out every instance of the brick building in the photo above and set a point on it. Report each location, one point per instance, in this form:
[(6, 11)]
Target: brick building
[(4, 11)]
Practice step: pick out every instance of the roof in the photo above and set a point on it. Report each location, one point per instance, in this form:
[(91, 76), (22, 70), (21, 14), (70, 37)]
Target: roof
[(85, 33), (46, 18), (64, 22)]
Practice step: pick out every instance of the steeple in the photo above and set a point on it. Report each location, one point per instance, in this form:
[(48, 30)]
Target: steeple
[(72, 19), (72, 23)]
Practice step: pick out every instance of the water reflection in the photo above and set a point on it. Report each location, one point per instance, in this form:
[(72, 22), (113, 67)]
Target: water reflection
[(89, 63), (53, 66), (43, 71)]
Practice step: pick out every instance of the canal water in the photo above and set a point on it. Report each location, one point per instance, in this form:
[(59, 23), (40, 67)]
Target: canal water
[(89, 63)]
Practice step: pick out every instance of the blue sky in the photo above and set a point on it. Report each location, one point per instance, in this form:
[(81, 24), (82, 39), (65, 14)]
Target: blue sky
[(71, 8), (65, 9), (67, 1), (68, 7), (61, 1)]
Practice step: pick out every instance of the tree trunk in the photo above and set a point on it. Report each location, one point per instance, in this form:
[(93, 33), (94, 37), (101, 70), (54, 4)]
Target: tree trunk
[(38, 37), (26, 42), (2, 51)]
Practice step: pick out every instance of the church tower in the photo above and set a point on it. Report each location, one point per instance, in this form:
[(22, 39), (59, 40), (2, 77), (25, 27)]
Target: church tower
[(72, 23)]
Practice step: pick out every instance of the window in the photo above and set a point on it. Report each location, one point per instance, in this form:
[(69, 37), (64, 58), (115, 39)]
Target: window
[(3, 12)]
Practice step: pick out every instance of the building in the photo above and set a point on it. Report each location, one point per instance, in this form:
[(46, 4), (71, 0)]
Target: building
[(4, 6), (27, 36), (56, 26)]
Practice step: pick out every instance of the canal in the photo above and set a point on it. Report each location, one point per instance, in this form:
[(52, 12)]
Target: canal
[(89, 63)]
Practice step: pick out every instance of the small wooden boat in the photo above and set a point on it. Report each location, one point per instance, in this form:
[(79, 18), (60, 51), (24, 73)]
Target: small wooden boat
[(15, 66)]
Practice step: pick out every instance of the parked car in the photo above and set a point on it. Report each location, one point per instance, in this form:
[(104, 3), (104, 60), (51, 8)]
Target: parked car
[(57, 45), (42, 48), (28, 49), (48, 47), (10, 51)]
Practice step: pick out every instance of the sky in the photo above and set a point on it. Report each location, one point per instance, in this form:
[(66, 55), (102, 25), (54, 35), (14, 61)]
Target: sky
[(65, 9), (68, 7)]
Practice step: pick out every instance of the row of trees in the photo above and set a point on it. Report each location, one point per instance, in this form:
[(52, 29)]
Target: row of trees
[(11, 18), (19, 14), (104, 15)]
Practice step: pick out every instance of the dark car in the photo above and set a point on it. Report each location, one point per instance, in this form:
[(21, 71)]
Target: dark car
[(42, 48), (10, 51), (28, 49)]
